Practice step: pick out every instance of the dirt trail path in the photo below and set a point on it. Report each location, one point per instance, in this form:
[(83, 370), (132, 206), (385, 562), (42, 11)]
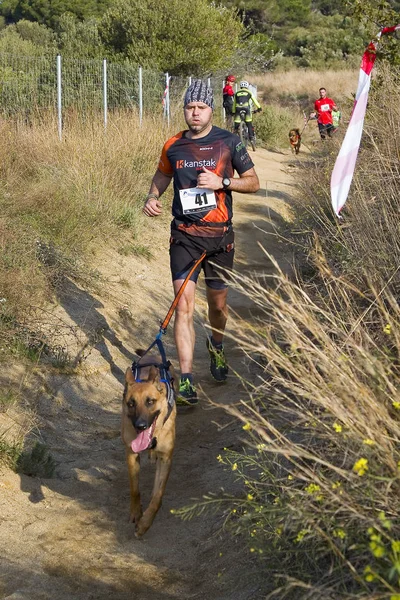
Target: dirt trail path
[(67, 538)]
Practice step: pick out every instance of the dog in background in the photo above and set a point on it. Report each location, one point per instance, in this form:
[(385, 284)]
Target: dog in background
[(148, 423), (295, 140)]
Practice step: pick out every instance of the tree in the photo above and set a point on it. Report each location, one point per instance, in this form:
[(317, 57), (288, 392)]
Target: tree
[(172, 35), (48, 12), (79, 39)]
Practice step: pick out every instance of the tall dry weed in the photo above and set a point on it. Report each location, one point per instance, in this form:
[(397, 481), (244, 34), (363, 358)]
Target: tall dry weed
[(61, 199), (320, 465)]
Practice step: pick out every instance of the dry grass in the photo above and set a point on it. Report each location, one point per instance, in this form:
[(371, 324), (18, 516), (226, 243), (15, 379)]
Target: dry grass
[(60, 200), (306, 83)]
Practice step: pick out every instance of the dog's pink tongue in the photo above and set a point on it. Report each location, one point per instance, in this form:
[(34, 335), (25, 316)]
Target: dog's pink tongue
[(142, 441)]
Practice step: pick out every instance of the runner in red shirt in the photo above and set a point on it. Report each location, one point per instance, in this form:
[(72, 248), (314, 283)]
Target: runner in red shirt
[(323, 111), (227, 99)]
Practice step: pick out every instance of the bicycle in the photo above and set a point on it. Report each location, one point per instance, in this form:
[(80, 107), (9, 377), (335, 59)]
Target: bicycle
[(244, 131)]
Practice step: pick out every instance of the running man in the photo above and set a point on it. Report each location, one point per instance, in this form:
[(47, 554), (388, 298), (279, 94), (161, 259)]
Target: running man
[(202, 161), (244, 100), (323, 108)]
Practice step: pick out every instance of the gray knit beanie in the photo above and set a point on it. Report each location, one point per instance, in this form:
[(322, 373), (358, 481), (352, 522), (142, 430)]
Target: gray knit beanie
[(198, 91)]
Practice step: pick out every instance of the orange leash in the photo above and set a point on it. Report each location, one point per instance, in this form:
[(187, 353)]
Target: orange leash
[(165, 323)]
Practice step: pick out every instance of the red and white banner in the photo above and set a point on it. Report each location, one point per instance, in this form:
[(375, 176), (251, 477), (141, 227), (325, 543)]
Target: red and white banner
[(343, 170)]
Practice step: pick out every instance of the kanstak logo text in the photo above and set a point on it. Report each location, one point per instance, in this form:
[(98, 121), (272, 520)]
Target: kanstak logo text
[(196, 164)]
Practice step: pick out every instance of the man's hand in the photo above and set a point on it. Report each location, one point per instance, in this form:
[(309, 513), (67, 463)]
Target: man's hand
[(209, 180), (152, 207)]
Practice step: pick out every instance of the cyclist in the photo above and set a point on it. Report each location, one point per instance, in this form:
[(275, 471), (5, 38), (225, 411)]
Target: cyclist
[(201, 160), (244, 101), (227, 99)]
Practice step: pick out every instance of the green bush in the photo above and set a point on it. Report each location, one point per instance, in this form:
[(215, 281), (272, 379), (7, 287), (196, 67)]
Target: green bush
[(272, 125)]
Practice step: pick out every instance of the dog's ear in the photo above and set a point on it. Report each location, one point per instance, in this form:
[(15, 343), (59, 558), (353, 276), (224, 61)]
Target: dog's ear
[(129, 378), (154, 374)]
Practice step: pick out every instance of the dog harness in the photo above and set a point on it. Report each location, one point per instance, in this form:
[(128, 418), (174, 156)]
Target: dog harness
[(163, 368)]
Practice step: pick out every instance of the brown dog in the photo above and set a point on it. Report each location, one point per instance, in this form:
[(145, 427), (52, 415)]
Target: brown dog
[(148, 423), (295, 140)]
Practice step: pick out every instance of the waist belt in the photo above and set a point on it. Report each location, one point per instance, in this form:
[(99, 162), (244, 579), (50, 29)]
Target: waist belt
[(202, 223)]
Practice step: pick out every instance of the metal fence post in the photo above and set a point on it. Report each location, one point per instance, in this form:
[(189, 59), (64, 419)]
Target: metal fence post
[(59, 97), (223, 109), (105, 102), (140, 97), (167, 96)]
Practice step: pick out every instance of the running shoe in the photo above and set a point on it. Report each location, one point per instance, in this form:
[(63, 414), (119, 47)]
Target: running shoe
[(218, 367), (187, 395)]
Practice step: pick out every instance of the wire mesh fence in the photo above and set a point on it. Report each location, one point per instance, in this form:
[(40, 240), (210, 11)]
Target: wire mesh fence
[(32, 86)]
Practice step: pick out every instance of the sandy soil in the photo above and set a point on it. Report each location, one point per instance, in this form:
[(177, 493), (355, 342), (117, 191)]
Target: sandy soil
[(68, 537)]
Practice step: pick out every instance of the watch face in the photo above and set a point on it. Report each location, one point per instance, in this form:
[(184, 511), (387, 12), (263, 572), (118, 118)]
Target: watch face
[(226, 181)]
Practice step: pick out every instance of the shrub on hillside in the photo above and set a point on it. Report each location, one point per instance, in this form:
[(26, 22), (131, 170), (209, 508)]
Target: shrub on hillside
[(272, 125)]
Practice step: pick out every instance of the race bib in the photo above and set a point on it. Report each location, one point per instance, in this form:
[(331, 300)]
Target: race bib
[(324, 107), (197, 200)]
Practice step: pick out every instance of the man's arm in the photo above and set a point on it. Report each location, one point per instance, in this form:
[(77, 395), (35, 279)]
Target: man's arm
[(255, 101), (315, 113), (246, 183), (159, 184), (234, 104)]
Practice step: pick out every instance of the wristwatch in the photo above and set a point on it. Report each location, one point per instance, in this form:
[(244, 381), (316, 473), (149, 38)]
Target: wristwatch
[(226, 182)]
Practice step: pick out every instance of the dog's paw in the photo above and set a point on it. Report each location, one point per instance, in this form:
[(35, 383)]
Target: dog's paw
[(136, 515), (144, 524)]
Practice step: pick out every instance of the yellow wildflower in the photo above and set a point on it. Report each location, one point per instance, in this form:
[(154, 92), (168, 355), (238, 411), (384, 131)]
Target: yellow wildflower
[(369, 575), (336, 485), (312, 488), (339, 533), (301, 535), (247, 427), (234, 467), (290, 477), (384, 520), (396, 404), (387, 329), (368, 442), (396, 546), (337, 427), (250, 497), (361, 466), (376, 546)]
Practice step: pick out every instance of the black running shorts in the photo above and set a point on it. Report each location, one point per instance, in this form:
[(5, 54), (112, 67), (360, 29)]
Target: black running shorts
[(186, 249)]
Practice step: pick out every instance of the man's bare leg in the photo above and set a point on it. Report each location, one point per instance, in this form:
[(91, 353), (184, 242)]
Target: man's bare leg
[(183, 326), (217, 312)]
